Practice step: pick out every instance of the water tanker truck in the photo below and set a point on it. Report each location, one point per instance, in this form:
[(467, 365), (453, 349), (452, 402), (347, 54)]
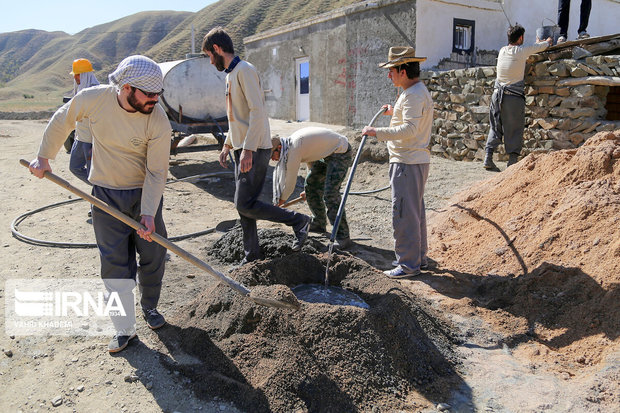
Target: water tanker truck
[(194, 98)]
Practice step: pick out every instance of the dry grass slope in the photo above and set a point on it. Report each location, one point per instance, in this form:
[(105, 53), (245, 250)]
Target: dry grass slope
[(34, 62), (38, 62), (241, 18)]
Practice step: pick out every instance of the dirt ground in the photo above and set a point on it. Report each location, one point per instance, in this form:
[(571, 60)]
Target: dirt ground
[(493, 326)]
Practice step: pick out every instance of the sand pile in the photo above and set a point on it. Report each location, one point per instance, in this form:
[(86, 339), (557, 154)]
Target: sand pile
[(397, 354), (539, 246), (562, 207)]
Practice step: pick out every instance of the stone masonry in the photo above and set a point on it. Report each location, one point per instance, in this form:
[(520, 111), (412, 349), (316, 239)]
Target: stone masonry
[(565, 105)]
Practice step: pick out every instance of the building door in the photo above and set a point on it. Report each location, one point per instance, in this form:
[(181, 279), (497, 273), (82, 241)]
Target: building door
[(303, 88)]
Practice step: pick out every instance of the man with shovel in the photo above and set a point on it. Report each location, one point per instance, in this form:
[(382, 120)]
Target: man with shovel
[(131, 146), (328, 155), (408, 137), (249, 138)]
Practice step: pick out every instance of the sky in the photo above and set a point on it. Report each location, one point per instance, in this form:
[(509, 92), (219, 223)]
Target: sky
[(72, 16)]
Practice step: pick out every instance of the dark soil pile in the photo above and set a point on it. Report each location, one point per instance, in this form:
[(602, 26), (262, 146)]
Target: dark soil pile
[(396, 355), (537, 250), (273, 243)]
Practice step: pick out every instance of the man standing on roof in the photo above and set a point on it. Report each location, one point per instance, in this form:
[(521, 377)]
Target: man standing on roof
[(249, 138), (328, 155), (131, 145), (564, 14), (82, 149), (507, 109), (408, 137)]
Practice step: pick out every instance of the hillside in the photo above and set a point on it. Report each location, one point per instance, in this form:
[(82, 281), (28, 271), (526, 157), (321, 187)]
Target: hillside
[(37, 63), (34, 64), (241, 18)]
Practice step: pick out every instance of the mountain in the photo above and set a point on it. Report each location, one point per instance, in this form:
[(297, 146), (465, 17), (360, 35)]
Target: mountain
[(34, 62), (35, 65), (241, 18)]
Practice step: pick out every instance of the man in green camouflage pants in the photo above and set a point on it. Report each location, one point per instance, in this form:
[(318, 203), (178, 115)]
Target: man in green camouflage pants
[(328, 155)]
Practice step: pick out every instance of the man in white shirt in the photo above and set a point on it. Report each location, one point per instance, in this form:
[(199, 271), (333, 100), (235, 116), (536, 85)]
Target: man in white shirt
[(507, 109), (328, 155), (407, 137)]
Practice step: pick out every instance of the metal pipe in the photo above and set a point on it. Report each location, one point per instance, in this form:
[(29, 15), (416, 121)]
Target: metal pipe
[(345, 195)]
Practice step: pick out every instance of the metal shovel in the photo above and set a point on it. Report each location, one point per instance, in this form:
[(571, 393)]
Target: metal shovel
[(240, 288)]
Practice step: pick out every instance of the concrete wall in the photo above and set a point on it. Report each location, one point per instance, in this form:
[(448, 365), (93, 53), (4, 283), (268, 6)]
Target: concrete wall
[(346, 85)]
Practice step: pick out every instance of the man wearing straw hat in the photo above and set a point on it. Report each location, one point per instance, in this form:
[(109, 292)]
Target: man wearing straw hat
[(407, 137), (131, 146)]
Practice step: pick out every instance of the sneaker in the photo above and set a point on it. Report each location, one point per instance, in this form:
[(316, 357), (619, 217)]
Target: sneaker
[(119, 342), (423, 266), (561, 39), (583, 35), (343, 244), (301, 234), (316, 227), (399, 272), (153, 318)]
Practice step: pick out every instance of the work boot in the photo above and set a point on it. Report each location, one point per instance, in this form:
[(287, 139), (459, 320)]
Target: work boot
[(153, 318), (488, 163), (301, 234), (316, 227), (513, 158), (343, 243)]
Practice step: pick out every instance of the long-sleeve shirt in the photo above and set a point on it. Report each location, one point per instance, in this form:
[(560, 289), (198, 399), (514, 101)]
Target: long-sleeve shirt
[(82, 128), (409, 133), (511, 61), (130, 150), (248, 124), (308, 145)]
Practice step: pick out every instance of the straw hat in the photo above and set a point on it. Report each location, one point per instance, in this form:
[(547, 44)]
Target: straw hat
[(400, 55)]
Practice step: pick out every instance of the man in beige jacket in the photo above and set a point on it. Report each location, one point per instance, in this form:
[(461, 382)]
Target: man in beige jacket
[(407, 137), (328, 156), (131, 146), (249, 138)]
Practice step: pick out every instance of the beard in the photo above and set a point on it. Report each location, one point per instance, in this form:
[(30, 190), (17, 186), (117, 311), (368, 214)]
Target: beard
[(142, 108), (219, 62)]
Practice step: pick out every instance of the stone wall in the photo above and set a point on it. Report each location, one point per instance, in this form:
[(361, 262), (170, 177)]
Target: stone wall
[(565, 105)]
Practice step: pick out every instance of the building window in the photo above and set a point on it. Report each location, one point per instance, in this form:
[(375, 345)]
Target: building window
[(463, 36)]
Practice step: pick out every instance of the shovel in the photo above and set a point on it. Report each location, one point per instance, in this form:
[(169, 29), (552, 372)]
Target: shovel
[(292, 202), (164, 242)]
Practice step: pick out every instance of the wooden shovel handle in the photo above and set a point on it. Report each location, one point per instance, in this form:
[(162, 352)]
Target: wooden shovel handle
[(292, 202), (136, 225)]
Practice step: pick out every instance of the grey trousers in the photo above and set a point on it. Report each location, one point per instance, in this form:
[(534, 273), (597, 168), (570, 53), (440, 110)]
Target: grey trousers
[(79, 162), (248, 187), (118, 244), (512, 124), (409, 214)]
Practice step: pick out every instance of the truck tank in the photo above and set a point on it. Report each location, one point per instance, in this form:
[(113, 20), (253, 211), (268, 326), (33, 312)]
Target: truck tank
[(194, 96)]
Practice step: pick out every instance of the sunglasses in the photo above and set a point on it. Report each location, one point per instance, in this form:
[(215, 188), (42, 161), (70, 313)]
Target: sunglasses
[(148, 94)]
